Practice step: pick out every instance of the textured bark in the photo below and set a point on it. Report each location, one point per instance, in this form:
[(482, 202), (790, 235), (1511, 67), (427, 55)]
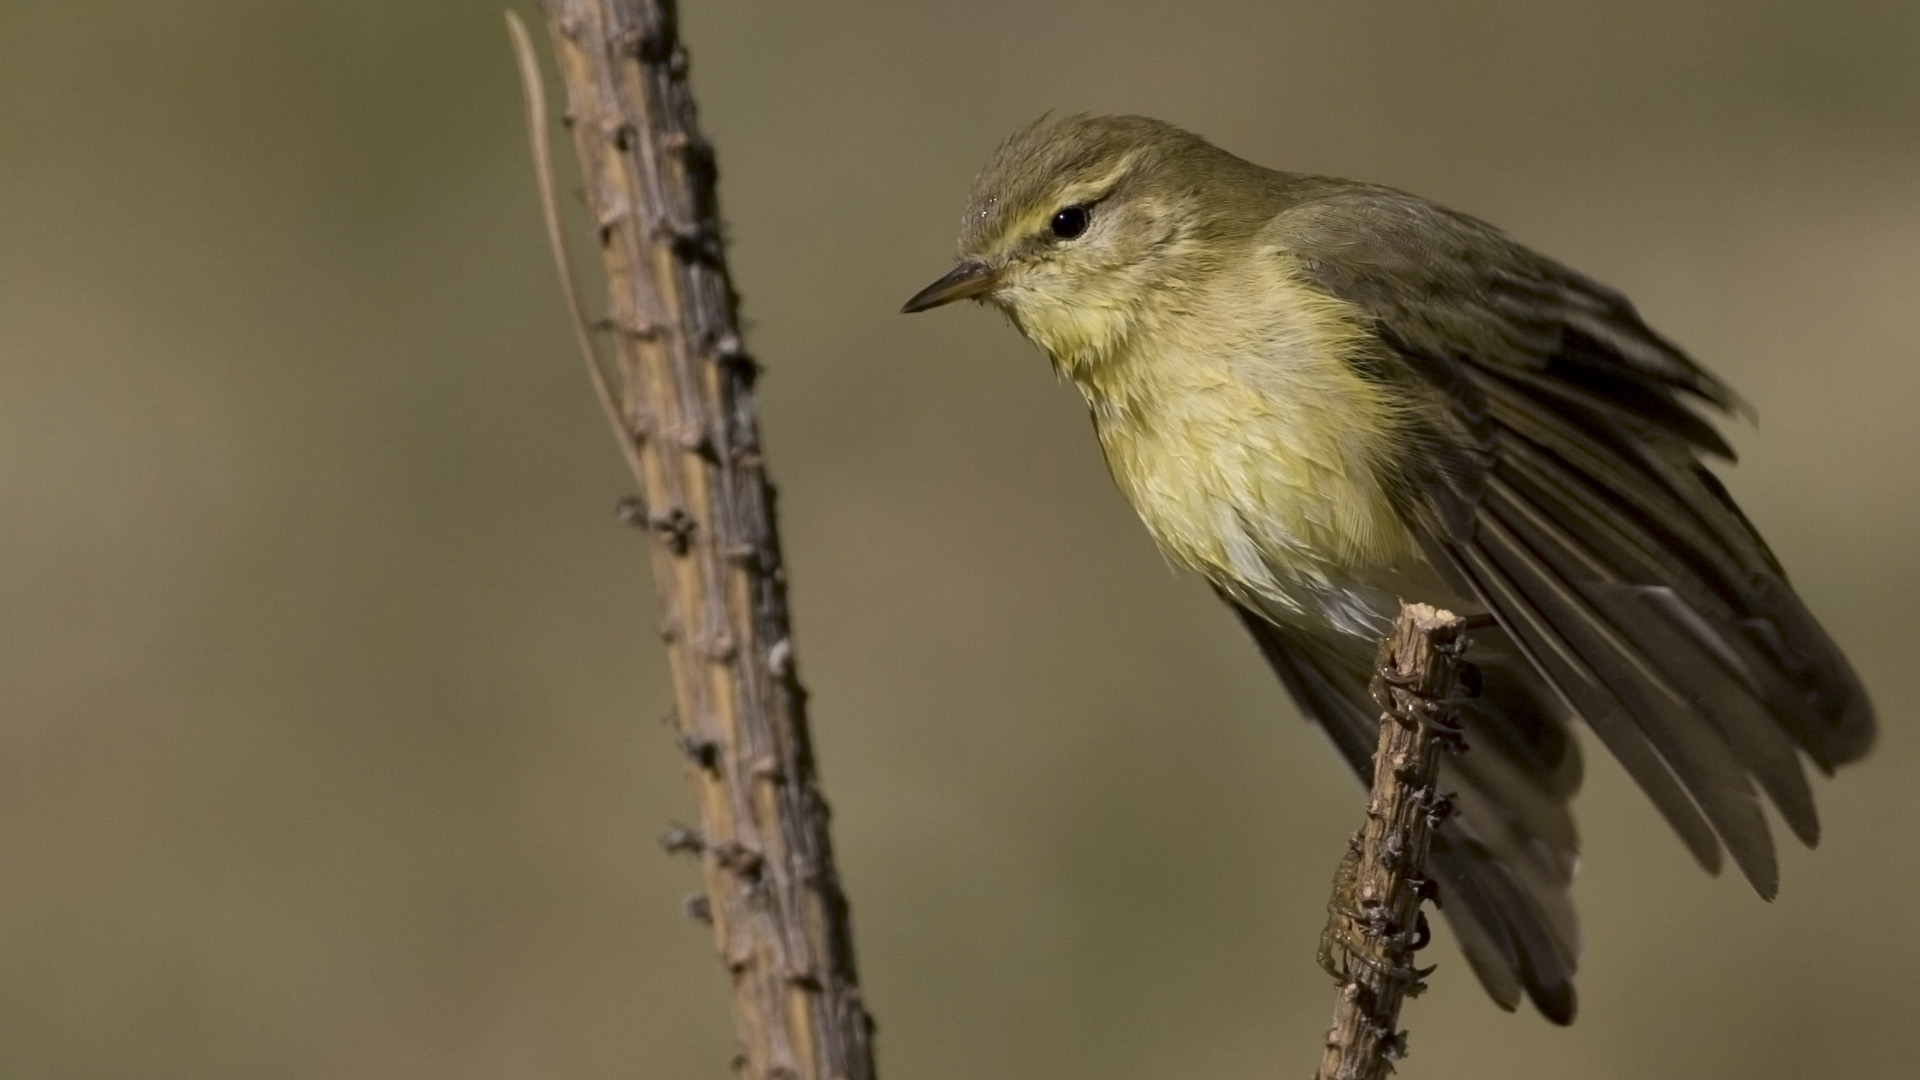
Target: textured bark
[(1374, 919), (679, 390)]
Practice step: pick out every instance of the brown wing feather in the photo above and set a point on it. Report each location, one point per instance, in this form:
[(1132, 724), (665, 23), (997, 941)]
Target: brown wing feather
[(1556, 471)]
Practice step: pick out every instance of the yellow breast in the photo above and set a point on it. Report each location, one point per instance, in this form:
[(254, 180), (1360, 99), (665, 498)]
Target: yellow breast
[(1254, 452)]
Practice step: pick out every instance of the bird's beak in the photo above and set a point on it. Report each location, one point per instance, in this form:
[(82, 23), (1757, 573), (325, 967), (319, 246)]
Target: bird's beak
[(969, 279)]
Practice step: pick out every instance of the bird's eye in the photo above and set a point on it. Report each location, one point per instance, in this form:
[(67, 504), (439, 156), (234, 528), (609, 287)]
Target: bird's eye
[(1070, 222)]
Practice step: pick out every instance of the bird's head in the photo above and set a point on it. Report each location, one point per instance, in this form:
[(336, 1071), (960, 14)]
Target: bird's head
[(1081, 228)]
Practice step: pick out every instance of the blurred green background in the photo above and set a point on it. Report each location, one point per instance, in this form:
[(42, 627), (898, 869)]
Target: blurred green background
[(331, 742)]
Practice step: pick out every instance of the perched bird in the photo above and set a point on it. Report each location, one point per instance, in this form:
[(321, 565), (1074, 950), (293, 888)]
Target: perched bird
[(1327, 396)]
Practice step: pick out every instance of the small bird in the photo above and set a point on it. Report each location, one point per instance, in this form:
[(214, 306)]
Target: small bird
[(1326, 397)]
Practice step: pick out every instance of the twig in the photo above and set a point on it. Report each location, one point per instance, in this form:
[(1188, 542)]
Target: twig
[(679, 391), (1374, 919)]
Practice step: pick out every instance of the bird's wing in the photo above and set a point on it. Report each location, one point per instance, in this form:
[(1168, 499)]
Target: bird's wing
[(1552, 465), (1504, 859)]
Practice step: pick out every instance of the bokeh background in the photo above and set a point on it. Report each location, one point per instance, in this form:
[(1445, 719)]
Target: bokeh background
[(331, 741)]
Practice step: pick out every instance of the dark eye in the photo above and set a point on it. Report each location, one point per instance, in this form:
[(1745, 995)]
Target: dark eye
[(1070, 222)]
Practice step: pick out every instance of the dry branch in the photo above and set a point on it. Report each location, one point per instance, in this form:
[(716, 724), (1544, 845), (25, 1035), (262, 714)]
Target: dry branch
[(1374, 919), (679, 392)]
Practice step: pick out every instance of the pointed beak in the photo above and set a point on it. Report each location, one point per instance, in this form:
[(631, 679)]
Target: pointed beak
[(969, 279)]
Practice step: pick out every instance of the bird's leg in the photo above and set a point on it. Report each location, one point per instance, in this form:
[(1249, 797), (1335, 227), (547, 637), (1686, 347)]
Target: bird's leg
[(1339, 938), (1350, 920), (1435, 714)]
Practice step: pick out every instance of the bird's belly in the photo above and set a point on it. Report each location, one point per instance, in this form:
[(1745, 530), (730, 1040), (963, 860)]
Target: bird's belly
[(1281, 516)]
